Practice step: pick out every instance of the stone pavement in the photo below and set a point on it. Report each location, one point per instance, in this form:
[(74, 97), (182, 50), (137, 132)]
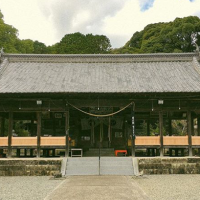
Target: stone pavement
[(98, 187)]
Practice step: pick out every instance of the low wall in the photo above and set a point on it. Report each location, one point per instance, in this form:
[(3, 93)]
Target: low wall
[(29, 167), (158, 165)]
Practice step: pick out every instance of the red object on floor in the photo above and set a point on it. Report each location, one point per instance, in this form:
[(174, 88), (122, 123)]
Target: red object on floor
[(120, 151)]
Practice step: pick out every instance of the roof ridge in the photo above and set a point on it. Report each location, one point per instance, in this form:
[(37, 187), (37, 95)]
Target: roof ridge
[(99, 58)]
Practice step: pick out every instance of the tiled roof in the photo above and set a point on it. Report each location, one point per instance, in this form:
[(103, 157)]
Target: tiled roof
[(100, 73)]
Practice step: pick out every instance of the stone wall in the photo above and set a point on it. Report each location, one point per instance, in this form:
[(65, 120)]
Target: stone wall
[(158, 165), (29, 167)]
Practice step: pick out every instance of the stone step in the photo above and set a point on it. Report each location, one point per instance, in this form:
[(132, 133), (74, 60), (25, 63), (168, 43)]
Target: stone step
[(83, 171), (108, 166), (129, 159), (127, 172)]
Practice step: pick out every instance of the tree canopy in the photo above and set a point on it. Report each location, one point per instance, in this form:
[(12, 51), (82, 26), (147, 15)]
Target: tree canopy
[(177, 36), (8, 36), (77, 43)]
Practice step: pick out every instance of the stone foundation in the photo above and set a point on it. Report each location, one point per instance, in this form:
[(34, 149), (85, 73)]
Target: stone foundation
[(158, 165), (29, 167), (49, 167)]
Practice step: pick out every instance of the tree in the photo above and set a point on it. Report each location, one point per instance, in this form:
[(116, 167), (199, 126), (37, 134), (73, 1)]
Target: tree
[(97, 44), (177, 36), (39, 47), (25, 46), (8, 36), (77, 43)]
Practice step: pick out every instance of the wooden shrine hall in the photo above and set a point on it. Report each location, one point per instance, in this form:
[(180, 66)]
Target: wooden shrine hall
[(137, 105)]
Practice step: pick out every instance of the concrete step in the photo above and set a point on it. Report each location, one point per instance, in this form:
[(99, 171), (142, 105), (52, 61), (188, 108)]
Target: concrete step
[(117, 166), (123, 172), (82, 166), (108, 166)]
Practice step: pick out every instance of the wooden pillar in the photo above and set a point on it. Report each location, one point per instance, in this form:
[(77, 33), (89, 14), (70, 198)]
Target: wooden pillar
[(198, 125), (198, 130), (1, 134), (192, 126), (109, 132), (67, 133), (10, 129), (38, 133), (32, 127), (161, 132), (92, 134), (170, 132), (133, 132), (148, 134), (2, 126), (189, 131)]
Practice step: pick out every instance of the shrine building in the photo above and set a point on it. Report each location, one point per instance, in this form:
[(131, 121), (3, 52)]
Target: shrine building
[(91, 105)]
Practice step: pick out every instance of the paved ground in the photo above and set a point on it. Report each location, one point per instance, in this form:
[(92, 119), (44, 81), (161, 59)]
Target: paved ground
[(171, 187), (98, 187), (154, 187), (26, 187)]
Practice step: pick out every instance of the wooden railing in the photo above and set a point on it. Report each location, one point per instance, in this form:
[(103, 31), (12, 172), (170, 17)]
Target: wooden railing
[(3, 141), (195, 140), (175, 140), (52, 141), (24, 141), (147, 140), (140, 141)]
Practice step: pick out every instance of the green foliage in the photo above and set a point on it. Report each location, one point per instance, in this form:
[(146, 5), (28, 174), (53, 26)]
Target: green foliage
[(8, 36), (39, 47), (75, 43), (179, 127), (154, 130), (20, 128), (25, 46), (78, 43), (177, 36)]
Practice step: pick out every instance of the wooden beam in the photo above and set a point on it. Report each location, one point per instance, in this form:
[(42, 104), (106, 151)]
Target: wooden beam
[(67, 133), (189, 130), (161, 132), (2, 131), (10, 129), (198, 130), (198, 125), (133, 132), (192, 126), (148, 132), (38, 133), (170, 130)]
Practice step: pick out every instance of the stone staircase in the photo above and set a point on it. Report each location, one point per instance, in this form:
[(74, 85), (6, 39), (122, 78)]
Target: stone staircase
[(108, 166), (94, 152), (116, 166), (82, 166)]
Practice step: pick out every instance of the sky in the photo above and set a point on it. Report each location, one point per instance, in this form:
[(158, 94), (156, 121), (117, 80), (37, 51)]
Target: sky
[(49, 20)]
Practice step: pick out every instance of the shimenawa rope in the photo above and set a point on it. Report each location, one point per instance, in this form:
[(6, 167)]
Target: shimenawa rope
[(95, 115)]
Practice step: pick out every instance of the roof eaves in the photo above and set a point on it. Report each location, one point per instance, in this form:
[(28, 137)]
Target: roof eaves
[(99, 58)]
